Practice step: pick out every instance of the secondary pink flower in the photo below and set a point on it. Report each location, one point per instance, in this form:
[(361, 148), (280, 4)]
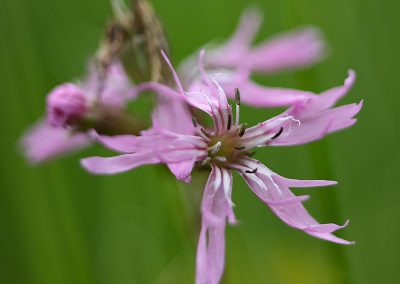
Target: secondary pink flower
[(226, 147), (237, 60), (68, 104), (297, 48)]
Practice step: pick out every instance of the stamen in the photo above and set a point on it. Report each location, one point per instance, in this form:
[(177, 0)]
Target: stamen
[(251, 154), (205, 132), (239, 147), (229, 121), (277, 134), (242, 129), (206, 161), (237, 99), (215, 149), (251, 171), (237, 96), (220, 159), (202, 135), (194, 121)]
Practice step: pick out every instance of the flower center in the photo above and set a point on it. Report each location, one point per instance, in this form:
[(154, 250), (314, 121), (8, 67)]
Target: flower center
[(225, 147), (224, 143)]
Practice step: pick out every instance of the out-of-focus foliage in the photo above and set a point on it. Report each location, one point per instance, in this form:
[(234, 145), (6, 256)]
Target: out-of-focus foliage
[(62, 225)]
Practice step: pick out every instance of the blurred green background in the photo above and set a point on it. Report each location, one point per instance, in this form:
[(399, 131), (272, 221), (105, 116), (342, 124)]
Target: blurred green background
[(62, 225)]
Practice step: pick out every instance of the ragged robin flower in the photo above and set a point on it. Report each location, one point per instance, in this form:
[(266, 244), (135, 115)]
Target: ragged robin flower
[(227, 147), (237, 59)]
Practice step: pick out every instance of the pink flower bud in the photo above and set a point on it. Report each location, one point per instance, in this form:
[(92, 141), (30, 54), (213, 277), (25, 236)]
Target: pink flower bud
[(66, 105)]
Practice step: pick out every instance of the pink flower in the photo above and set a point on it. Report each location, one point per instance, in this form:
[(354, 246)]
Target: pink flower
[(68, 104), (297, 48), (227, 147), (237, 60)]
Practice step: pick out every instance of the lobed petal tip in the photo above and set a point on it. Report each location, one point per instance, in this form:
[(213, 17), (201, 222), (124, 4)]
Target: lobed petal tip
[(331, 182), (91, 164), (360, 104), (311, 31), (253, 14), (304, 198), (85, 163), (351, 77), (187, 179), (92, 134), (357, 108), (164, 54), (347, 243)]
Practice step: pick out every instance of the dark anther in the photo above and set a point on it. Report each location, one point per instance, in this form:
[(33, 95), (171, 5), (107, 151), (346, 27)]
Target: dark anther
[(205, 133), (277, 134), (194, 120), (237, 96), (251, 171), (229, 121), (242, 129), (251, 154), (239, 147)]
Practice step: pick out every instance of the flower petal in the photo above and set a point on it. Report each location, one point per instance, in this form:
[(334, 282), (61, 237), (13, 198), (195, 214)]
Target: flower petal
[(326, 99), (318, 125), (119, 143), (216, 207), (117, 87), (196, 98), (309, 183), (173, 115), (306, 121), (180, 153), (276, 188), (289, 50), (43, 142), (259, 96), (182, 170), (118, 164), (293, 49), (231, 52), (326, 228), (159, 88)]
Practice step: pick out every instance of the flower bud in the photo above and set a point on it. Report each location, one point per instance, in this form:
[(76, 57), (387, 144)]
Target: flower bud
[(66, 105)]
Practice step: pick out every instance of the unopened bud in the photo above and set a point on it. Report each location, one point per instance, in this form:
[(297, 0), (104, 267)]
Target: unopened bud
[(66, 105)]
